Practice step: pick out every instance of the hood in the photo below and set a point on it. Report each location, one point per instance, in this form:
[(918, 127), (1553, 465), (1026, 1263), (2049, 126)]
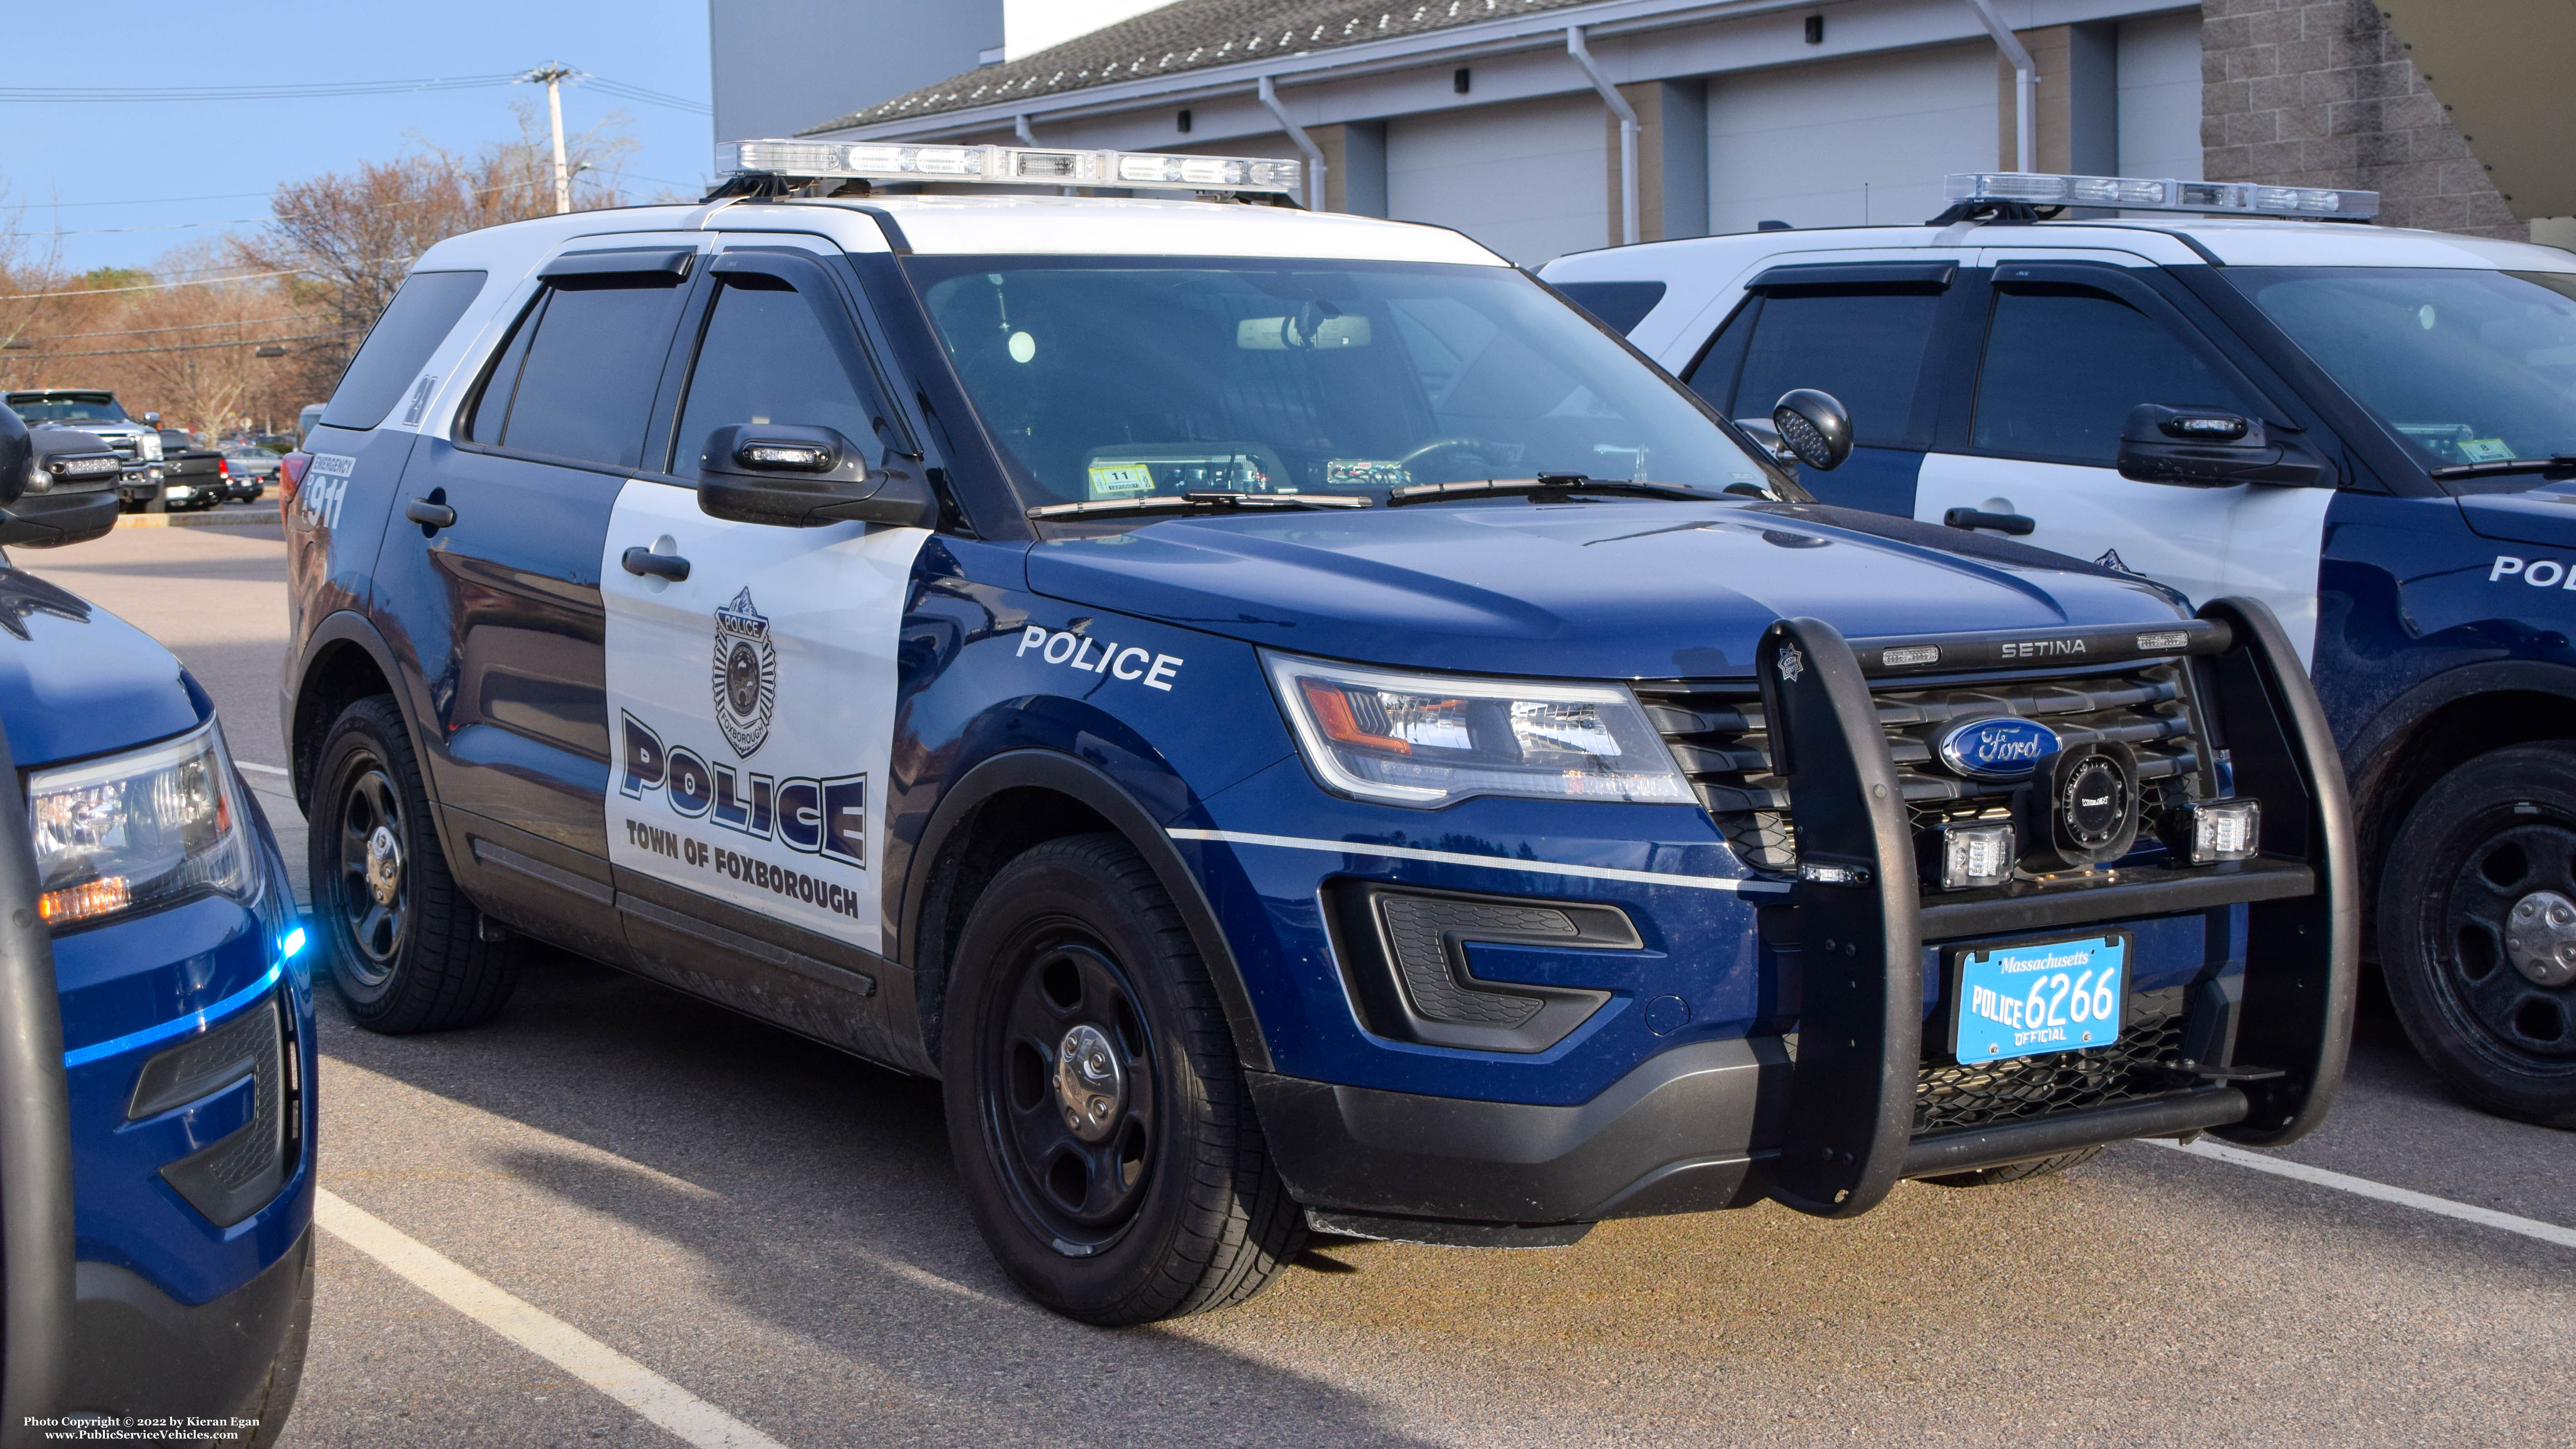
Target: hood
[(2545, 515), (1631, 590), (75, 680)]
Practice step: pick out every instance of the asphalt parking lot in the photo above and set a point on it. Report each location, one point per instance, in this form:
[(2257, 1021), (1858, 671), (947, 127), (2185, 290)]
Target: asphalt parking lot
[(769, 1230)]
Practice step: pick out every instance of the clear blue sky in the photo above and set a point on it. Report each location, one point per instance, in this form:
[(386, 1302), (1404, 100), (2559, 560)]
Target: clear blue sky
[(133, 153)]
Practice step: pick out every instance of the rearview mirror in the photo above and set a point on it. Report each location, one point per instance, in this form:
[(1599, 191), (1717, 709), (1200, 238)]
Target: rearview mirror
[(1815, 426), (2210, 448), (790, 476), (57, 486)]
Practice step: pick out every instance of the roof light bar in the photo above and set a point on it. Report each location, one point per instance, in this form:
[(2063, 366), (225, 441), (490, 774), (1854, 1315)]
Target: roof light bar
[(1007, 165), (2229, 198)]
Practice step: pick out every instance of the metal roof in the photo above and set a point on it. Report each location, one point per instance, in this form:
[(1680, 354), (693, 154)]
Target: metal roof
[(1187, 36)]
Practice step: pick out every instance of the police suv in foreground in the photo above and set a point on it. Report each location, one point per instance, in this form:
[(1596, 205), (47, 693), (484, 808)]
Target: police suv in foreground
[(2373, 431), (165, 1069), (1296, 726)]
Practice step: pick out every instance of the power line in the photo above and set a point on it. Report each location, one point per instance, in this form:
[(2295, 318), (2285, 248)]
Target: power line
[(189, 327), (193, 346), (200, 282), (307, 90), (160, 226), (142, 201)]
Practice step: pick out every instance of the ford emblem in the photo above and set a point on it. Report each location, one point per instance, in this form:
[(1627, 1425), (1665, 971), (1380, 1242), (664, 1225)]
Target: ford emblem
[(2002, 748)]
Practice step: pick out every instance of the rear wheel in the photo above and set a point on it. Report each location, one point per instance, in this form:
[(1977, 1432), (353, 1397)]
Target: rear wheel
[(1098, 1116), (406, 946), (2018, 1171), (2477, 931)]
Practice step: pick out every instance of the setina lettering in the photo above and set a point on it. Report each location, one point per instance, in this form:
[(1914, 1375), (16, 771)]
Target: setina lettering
[(820, 816)]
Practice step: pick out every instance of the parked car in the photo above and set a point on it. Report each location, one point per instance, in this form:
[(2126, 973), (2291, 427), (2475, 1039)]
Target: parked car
[(2370, 429), (156, 1023), (252, 471), (1293, 725), (92, 410), (193, 478)]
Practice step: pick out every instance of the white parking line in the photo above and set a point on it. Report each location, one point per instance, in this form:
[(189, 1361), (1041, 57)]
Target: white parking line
[(259, 768), (649, 1394), (2364, 1187)]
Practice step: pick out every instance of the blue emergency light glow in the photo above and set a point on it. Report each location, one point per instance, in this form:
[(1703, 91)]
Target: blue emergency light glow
[(176, 1026), (290, 943), (2127, 193)]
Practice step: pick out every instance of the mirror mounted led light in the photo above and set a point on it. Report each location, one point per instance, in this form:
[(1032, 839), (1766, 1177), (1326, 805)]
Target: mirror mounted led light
[(1006, 166), (2215, 198)]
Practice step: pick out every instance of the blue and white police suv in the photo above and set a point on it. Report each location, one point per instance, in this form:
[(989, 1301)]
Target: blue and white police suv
[(2371, 430), (1293, 724), (156, 1021)]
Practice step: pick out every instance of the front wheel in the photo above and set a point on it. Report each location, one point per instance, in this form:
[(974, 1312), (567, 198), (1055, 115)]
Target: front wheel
[(2477, 931), (1098, 1117), (407, 948)]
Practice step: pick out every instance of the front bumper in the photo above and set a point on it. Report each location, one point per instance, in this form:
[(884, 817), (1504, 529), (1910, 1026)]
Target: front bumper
[(1827, 1120), (137, 1352)]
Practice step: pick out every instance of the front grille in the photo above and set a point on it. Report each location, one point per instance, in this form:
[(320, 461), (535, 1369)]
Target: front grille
[(1717, 734), (1950, 1098)]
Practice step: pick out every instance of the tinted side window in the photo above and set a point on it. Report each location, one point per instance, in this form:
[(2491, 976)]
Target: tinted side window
[(492, 405), (1619, 305), (1866, 348), (414, 324), (2064, 367), (591, 367), (765, 358)]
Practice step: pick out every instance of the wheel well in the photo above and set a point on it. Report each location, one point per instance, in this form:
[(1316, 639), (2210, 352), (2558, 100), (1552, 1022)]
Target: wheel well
[(2440, 742), (998, 830), (339, 676)]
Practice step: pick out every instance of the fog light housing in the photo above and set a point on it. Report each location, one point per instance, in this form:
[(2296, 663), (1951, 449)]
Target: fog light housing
[(2216, 830), (1976, 855)]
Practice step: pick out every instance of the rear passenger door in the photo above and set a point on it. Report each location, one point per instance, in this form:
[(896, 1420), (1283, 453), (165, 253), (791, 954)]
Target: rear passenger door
[(2068, 348), (489, 577), (1867, 332)]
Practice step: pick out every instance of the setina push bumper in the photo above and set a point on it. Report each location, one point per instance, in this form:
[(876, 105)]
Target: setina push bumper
[(2167, 742)]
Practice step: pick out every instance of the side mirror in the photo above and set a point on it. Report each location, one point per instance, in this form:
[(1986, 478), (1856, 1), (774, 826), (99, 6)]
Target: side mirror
[(17, 455), (1814, 426), (2210, 448), (63, 489), (800, 477), (152, 420)]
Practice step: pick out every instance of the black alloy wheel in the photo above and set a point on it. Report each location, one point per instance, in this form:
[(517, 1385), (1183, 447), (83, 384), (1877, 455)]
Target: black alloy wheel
[(407, 950), (1099, 1119), (2477, 931)]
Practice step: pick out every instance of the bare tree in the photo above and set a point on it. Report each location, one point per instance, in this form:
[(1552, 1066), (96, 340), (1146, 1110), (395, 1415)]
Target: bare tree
[(349, 238)]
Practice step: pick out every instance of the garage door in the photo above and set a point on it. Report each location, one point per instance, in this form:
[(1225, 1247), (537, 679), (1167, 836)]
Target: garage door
[(1529, 179), (1848, 142), (2160, 96)]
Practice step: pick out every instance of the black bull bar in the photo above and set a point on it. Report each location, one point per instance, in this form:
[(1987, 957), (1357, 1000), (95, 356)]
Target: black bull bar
[(1847, 1134)]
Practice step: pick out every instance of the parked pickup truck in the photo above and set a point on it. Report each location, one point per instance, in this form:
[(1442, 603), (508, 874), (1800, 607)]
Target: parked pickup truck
[(96, 411), (192, 477)]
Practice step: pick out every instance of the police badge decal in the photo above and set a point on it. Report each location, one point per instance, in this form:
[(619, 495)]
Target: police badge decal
[(746, 675)]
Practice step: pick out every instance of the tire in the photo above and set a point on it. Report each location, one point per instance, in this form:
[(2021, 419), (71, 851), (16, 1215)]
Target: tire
[(406, 947), (2492, 835), (1176, 1209), (2018, 1171)]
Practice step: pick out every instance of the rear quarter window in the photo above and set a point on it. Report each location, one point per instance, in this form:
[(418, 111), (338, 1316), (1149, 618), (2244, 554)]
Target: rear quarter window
[(1620, 306), (414, 324)]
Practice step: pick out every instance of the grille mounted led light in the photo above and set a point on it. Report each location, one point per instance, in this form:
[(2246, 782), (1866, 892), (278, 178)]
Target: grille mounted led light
[(2226, 198), (1007, 165), (2216, 830), (1973, 856)]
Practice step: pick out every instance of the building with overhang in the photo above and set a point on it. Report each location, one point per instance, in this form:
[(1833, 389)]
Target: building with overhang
[(1547, 126)]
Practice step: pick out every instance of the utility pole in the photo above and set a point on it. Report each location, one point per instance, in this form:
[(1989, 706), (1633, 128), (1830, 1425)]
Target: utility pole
[(554, 74)]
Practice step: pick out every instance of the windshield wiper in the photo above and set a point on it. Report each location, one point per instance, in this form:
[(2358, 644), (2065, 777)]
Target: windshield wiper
[(2557, 463), (1191, 502), (1546, 487)]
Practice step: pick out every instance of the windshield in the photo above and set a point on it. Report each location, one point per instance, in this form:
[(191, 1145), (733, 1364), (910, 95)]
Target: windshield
[(2466, 366), (1120, 378), (42, 409)]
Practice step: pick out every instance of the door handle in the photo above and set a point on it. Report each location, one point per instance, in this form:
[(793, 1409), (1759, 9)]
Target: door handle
[(430, 515), (2015, 524), (642, 561)]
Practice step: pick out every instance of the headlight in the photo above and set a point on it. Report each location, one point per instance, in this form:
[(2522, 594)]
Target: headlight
[(139, 830), (151, 448), (1429, 739)]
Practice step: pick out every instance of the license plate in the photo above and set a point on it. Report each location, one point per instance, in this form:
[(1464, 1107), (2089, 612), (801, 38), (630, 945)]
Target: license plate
[(2032, 998)]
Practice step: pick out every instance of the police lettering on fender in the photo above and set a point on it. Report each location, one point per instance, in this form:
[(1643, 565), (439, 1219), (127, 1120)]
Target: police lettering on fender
[(2539, 573), (1057, 646)]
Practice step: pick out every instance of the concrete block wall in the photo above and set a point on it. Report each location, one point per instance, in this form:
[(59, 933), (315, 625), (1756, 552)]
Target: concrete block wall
[(2320, 93)]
